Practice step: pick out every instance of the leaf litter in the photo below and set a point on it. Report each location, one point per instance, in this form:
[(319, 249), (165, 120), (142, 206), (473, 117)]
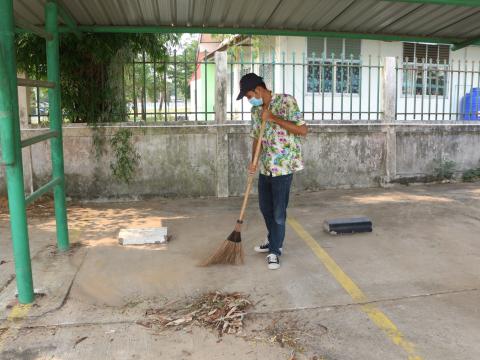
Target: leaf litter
[(222, 312), (226, 313)]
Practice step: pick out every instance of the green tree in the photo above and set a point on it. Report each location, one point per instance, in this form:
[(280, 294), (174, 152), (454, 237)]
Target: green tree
[(91, 69), (156, 80), (185, 68)]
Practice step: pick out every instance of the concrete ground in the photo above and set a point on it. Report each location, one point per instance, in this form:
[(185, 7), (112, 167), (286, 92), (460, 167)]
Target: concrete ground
[(409, 290)]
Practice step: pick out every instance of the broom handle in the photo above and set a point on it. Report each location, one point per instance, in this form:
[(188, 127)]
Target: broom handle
[(250, 176)]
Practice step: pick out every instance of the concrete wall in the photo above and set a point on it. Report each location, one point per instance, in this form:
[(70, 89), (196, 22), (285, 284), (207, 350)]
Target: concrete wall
[(182, 160), (210, 160), (418, 147)]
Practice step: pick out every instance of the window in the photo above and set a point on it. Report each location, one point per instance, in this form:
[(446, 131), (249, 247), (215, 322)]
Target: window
[(319, 76), (425, 69), (348, 77), (333, 65)]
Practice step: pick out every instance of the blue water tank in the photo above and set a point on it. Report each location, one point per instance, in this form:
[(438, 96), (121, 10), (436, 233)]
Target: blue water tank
[(471, 105)]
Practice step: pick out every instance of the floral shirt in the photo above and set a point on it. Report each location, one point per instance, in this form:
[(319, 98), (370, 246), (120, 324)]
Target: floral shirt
[(281, 150)]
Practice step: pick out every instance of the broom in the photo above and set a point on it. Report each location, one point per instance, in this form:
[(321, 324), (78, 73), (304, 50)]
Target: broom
[(231, 251)]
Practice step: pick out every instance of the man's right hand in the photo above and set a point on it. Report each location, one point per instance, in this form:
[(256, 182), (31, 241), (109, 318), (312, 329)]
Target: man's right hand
[(252, 169)]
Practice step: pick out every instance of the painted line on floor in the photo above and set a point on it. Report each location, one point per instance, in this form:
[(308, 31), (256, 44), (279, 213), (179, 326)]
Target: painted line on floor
[(14, 321), (376, 315)]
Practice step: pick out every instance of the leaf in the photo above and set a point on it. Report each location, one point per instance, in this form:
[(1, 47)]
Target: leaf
[(179, 321)]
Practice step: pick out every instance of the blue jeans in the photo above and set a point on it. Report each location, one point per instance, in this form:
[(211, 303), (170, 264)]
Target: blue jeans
[(273, 195)]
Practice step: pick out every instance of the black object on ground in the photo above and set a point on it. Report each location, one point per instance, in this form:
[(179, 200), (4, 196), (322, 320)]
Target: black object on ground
[(348, 225)]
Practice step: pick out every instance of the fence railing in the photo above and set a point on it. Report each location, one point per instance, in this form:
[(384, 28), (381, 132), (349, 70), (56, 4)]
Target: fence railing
[(327, 89), (437, 91), (162, 90), (38, 109)]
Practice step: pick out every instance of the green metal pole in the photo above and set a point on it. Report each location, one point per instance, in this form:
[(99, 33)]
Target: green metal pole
[(6, 115), (14, 170), (56, 144)]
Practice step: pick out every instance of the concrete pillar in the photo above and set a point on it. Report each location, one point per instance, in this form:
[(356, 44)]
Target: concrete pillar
[(220, 118), (23, 111), (389, 86), (389, 89), (221, 80), (23, 103)]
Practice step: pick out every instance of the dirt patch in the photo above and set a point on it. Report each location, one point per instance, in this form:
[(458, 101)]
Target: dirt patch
[(42, 207)]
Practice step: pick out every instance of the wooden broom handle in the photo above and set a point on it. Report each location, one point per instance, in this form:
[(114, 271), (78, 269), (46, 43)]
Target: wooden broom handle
[(250, 176)]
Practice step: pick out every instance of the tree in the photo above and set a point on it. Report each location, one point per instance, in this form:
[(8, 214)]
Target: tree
[(91, 69), (185, 68), (156, 80)]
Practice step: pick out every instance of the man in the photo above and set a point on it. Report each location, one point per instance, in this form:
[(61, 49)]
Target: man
[(280, 157)]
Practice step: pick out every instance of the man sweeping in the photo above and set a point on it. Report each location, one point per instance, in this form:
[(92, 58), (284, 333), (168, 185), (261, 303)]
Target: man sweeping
[(280, 157)]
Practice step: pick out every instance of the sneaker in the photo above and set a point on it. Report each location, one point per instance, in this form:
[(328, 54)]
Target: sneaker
[(273, 262), (263, 248)]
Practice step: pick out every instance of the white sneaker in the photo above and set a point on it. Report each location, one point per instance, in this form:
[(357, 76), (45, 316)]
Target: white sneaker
[(263, 248), (273, 262)]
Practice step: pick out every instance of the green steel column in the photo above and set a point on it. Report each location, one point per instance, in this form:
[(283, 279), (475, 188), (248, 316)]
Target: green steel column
[(6, 115), (56, 144), (14, 170)]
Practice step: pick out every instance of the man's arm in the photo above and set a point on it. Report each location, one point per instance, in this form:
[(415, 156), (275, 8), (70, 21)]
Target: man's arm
[(290, 126)]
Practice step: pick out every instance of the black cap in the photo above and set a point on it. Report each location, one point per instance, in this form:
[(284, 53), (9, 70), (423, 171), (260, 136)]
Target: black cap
[(248, 82)]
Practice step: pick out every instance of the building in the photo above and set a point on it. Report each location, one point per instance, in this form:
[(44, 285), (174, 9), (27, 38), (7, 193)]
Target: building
[(341, 79)]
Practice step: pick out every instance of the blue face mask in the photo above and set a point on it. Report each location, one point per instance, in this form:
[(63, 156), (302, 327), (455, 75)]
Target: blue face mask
[(255, 102)]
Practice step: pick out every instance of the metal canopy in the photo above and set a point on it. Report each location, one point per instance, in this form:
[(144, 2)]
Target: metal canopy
[(448, 21)]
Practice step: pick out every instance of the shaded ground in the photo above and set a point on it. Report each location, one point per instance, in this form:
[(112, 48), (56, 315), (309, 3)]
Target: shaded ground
[(420, 267)]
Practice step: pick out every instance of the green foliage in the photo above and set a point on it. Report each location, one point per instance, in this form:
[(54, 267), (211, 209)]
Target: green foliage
[(444, 169), (260, 46), (126, 156), (158, 80), (471, 175), (263, 44), (184, 69), (90, 69)]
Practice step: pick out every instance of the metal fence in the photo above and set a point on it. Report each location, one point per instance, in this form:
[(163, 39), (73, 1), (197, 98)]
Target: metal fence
[(333, 88), (161, 90), (327, 89), (437, 91), (38, 107)]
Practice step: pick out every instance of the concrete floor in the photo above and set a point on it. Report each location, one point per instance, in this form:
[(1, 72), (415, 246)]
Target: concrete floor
[(420, 268)]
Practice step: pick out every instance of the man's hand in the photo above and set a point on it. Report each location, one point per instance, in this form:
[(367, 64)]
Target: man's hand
[(252, 169)]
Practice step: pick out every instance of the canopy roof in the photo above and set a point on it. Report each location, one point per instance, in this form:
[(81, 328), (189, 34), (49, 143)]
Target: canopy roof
[(437, 21)]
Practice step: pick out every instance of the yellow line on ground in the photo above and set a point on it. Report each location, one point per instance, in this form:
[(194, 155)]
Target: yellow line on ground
[(19, 311), (376, 315), (13, 322)]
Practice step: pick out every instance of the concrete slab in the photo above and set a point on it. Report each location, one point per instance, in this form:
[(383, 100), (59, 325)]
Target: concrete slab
[(419, 267)]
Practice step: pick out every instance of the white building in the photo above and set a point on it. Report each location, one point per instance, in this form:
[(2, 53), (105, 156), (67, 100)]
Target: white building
[(431, 80)]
